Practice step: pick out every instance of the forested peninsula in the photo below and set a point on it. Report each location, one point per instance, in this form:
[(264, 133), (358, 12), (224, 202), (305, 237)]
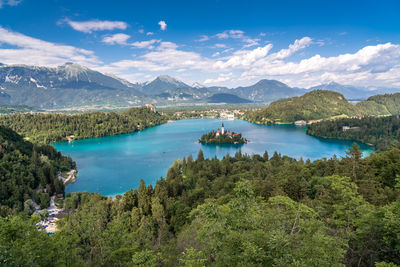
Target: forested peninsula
[(48, 128), (381, 132)]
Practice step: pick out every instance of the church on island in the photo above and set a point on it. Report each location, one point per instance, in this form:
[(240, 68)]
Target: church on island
[(222, 136), (222, 132)]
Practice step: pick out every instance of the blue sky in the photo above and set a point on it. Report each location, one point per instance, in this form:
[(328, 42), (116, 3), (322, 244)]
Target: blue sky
[(213, 42)]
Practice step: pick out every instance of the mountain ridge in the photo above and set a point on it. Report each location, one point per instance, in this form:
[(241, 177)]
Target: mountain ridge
[(71, 85)]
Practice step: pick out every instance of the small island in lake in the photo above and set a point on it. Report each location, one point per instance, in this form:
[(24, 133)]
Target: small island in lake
[(222, 137)]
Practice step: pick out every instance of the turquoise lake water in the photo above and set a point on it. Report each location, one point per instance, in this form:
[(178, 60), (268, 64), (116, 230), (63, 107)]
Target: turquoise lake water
[(112, 165)]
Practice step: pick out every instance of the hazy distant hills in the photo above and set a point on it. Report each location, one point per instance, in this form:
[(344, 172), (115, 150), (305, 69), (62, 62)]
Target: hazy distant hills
[(72, 85), (353, 92), (227, 98), (266, 91)]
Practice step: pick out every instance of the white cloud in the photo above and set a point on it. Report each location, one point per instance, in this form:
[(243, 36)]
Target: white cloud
[(163, 25), (118, 38), (219, 46), (236, 34), (223, 77), (140, 31), (375, 65), (372, 65), (121, 38), (243, 58), (250, 42), (96, 25), (150, 33), (32, 51), (296, 46), (145, 44), (203, 38), (168, 46), (9, 2)]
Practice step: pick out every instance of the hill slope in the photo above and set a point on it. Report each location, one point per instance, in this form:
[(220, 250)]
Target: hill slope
[(315, 105), (227, 98), (28, 171), (390, 101)]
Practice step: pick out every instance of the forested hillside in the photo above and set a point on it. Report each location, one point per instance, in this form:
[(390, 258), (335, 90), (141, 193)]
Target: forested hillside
[(314, 105), (238, 211), (5, 109), (390, 101), (28, 171), (47, 128), (381, 132), (323, 104)]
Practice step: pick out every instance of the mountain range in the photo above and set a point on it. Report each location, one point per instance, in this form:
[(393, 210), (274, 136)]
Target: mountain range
[(72, 85)]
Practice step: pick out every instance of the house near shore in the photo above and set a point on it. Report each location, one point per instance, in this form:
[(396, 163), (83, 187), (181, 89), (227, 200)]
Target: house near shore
[(70, 138), (346, 128), (300, 122)]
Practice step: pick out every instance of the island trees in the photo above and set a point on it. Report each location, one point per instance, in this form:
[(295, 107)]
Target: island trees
[(222, 137)]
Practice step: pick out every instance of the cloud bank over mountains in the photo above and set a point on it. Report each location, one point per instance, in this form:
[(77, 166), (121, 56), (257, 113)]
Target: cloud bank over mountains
[(253, 59)]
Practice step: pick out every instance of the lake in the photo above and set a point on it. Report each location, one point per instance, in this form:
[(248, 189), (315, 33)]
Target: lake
[(112, 165)]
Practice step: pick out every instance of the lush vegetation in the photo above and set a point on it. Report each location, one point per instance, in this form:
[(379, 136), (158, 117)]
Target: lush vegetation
[(238, 211), (7, 109), (381, 132), (28, 172), (214, 138), (390, 101), (47, 128), (322, 104)]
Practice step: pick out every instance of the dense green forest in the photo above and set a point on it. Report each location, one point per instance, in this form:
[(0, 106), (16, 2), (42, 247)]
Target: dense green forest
[(323, 104), (381, 132), (8, 109), (47, 128), (239, 211), (28, 171), (390, 101)]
